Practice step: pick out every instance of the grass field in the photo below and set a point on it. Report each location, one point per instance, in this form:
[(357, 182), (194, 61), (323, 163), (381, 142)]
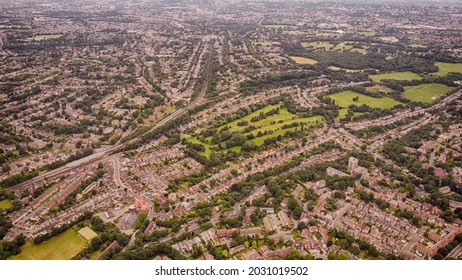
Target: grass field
[(345, 99), (277, 26), (317, 45), (272, 123), (87, 233), (426, 93), (399, 76), (5, 204), (445, 68), (62, 247), (341, 47), (303, 60), (367, 33), (48, 36), (335, 68), (417, 46), (193, 140), (379, 89)]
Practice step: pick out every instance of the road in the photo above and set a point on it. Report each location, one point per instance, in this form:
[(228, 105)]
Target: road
[(339, 215), (120, 183), (455, 252), (416, 236)]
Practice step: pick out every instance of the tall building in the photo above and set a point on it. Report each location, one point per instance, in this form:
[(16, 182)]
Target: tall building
[(353, 163)]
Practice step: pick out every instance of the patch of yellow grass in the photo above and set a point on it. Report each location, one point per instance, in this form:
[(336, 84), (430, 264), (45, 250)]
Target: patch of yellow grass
[(303, 60)]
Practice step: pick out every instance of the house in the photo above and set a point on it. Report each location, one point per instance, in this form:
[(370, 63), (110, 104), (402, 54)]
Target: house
[(150, 228), (225, 233), (251, 255)]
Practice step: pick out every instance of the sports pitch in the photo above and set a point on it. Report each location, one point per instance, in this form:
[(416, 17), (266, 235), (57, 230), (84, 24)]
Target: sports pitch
[(399, 76), (303, 60), (426, 93), (345, 98), (87, 233), (446, 68), (62, 247)]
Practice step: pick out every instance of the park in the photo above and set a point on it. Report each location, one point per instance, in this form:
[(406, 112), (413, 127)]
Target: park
[(346, 98), (426, 93)]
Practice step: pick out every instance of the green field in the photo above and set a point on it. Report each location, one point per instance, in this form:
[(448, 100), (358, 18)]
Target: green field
[(417, 46), (367, 33), (317, 45), (345, 98), (335, 68), (379, 89), (193, 140), (445, 68), (272, 123), (87, 233), (303, 60), (426, 93), (277, 26), (62, 247), (48, 36), (341, 47), (5, 204), (399, 76)]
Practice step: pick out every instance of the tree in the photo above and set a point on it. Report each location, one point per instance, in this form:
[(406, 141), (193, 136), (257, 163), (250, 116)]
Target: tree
[(142, 216), (294, 255)]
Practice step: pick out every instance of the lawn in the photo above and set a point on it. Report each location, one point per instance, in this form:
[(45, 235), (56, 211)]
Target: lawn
[(417, 46), (317, 45), (62, 247), (5, 204), (345, 98), (87, 233), (193, 140), (379, 89), (348, 46), (277, 26), (48, 36), (399, 76), (343, 46), (426, 93), (445, 68), (303, 60), (335, 68)]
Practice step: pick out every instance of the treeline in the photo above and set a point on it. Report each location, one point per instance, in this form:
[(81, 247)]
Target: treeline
[(444, 251), (11, 248), (18, 178), (150, 251)]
